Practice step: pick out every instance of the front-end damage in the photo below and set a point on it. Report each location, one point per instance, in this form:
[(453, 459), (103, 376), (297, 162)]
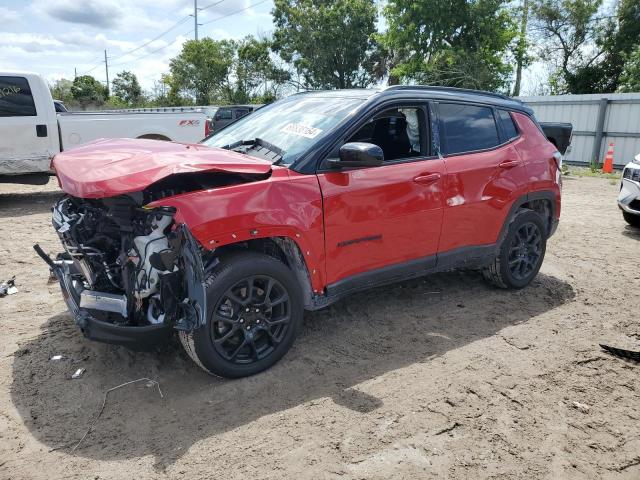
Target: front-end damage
[(129, 274)]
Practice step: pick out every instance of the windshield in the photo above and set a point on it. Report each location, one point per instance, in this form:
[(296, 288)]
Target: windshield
[(290, 126)]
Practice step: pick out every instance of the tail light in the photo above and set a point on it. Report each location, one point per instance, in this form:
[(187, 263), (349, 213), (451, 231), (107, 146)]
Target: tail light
[(207, 128)]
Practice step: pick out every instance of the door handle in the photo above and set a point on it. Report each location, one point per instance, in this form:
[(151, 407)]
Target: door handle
[(41, 130), (509, 164), (427, 178)]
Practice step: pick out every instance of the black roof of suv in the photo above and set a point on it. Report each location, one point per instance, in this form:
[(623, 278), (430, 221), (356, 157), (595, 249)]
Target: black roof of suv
[(433, 93)]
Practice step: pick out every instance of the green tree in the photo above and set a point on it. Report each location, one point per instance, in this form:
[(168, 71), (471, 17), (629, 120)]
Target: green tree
[(256, 77), (201, 70), (61, 90), (616, 42), (87, 90), (630, 76), (460, 43), (125, 86), (567, 28), (330, 43)]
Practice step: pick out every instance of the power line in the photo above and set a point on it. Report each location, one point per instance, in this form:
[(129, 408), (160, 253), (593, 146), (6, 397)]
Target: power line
[(212, 5), (179, 22), (154, 51), (183, 34), (92, 68), (233, 13)]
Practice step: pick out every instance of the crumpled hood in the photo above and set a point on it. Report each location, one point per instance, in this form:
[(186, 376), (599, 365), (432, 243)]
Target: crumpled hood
[(105, 168)]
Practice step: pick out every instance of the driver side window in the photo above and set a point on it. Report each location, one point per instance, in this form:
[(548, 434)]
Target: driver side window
[(400, 132)]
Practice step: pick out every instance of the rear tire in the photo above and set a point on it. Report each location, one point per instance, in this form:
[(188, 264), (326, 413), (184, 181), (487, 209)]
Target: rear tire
[(631, 219), (254, 313), (521, 252)]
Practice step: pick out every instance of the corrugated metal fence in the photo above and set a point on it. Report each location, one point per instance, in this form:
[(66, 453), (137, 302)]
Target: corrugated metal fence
[(597, 120)]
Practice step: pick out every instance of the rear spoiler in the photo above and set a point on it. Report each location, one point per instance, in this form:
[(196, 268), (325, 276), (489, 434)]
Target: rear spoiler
[(558, 133)]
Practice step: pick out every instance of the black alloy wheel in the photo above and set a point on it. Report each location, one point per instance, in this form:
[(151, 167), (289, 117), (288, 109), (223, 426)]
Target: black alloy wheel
[(254, 311), (521, 251), (251, 319), (525, 250)]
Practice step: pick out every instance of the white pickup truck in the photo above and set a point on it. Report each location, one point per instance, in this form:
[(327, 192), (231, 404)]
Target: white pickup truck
[(31, 131)]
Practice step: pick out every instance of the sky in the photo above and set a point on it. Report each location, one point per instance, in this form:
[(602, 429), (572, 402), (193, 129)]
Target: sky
[(54, 37)]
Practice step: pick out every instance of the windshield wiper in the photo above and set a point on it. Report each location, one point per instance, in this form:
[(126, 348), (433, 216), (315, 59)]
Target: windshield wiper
[(258, 148)]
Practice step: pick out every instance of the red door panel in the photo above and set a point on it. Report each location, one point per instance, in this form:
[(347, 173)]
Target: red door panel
[(380, 216), (479, 189)]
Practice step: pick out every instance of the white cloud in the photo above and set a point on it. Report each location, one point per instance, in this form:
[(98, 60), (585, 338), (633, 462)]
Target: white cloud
[(9, 16), (95, 13), (63, 34)]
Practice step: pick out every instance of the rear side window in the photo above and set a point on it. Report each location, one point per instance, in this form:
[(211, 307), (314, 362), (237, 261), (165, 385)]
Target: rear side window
[(15, 98), (224, 114), (241, 113), (508, 127), (466, 128)]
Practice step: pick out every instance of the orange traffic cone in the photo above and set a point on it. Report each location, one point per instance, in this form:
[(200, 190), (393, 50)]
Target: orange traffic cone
[(607, 167)]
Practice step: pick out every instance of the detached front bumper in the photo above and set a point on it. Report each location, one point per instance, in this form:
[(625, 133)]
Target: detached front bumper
[(98, 330), (629, 197)]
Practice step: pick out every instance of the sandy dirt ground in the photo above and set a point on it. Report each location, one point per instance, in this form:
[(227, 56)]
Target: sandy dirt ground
[(442, 377)]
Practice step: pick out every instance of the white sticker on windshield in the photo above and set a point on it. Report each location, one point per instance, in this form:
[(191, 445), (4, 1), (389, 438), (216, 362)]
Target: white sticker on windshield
[(301, 130)]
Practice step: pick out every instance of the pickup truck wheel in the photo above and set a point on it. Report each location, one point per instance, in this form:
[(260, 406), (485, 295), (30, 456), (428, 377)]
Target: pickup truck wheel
[(521, 253), (631, 219), (254, 313)]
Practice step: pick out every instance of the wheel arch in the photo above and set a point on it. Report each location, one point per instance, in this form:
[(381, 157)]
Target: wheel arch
[(541, 202), (287, 250)]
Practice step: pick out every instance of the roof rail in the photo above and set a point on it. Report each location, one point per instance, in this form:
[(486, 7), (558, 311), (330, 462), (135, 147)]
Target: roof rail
[(448, 89)]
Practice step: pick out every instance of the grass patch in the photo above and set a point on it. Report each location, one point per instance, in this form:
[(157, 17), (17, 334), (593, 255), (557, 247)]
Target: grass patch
[(574, 171)]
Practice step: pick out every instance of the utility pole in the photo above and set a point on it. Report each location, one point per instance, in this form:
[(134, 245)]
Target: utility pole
[(195, 17), (521, 48), (75, 72), (106, 68)]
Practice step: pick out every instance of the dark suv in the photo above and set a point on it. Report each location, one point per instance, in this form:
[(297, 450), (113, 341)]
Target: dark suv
[(229, 114), (305, 201)]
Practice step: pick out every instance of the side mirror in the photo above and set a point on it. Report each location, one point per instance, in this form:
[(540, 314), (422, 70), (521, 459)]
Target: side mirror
[(358, 154)]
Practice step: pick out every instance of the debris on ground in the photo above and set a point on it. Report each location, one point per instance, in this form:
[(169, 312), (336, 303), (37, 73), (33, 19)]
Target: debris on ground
[(581, 407), (104, 403), (78, 373), (8, 287), (56, 358), (622, 353)]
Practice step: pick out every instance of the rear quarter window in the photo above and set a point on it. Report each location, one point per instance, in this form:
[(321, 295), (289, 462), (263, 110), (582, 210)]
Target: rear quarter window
[(466, 128), (508, 127), (15, 98)]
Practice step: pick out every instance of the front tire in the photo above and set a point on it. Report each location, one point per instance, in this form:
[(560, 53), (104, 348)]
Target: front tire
[(521, 252), (631, 219), (254, 313)]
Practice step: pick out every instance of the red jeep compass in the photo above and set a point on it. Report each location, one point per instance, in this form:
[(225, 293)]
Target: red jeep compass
[(293, 207)]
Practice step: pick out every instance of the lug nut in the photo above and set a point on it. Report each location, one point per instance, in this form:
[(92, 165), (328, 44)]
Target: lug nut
[(248, 327), (257, 310), (247, 309), (242, 320)]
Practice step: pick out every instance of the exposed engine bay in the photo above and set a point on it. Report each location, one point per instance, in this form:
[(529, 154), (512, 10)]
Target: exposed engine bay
[(125, 265), (112, 242)]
